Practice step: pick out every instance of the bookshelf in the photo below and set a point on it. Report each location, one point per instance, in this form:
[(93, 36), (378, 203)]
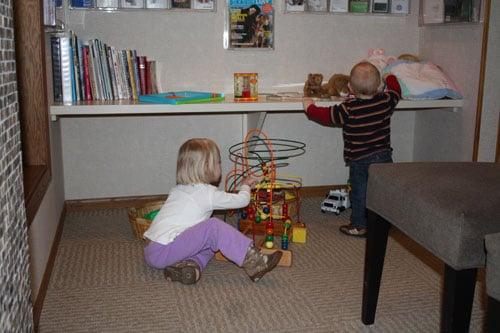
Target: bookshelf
[(33, 101)]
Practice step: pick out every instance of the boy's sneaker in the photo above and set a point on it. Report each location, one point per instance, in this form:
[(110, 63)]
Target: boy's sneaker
[(351, 230), (186, 272), (257, 264)]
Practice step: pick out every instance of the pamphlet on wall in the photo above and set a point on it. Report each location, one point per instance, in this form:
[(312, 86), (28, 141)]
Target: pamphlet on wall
[(82, 4), (107, 4), (339, 6), (400, 6), (317, 5), (380, 6), (295, 5), (157, 4), (49, 12), (359, 6), (203, 4), (249, 24), (432, 11), (181, 4), (133, 4)]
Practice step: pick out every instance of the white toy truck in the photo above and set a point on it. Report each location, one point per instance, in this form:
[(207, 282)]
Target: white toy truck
[(336, 201)]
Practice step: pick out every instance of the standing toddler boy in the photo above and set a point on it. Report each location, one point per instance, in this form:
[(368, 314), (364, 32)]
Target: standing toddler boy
[(366, 130)]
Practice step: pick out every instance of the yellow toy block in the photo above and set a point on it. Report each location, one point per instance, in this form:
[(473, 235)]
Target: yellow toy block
[(299, 234)]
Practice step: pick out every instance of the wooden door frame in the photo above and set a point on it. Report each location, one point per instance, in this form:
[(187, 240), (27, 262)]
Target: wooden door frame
[(480, 94)]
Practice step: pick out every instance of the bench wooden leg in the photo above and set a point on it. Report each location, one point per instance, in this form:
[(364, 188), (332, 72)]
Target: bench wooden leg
[(493, 316), (376, 242), (457, 299)]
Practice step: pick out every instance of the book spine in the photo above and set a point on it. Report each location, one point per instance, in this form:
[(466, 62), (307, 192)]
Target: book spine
[(93, 65), (98, 70), (103, 61), (56, 69), (107, 71), (131, 70), (154, 83), (127, 73), (86, 71), (72, 72), (112, 74), (136, 72), (76, 66), (66, 69), (116, 72), (80, 66), (148, 78), (122, 85), (141, 60)]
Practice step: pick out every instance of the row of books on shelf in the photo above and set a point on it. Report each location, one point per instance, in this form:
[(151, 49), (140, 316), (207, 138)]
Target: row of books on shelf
[(95, 71)]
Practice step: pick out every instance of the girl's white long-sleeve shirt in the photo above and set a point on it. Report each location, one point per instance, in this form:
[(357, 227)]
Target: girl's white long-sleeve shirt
[(188, 205)]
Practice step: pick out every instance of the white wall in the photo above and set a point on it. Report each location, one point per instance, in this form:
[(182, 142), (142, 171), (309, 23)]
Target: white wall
[(444, 135), (491, 108), (107, 157), (188, 45)]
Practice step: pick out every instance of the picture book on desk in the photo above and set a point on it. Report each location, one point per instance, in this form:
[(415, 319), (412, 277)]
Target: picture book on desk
[(182, 97)]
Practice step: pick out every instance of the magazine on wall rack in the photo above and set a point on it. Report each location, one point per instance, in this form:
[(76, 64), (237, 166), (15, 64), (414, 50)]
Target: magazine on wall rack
[(203, 4), (107, 4), (181, 4), (295, 5), (317, 5), (157, 4), (132, 4), (250, 24)]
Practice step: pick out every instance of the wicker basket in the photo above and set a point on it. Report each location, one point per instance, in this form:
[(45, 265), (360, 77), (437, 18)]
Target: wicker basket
[(136, 217)]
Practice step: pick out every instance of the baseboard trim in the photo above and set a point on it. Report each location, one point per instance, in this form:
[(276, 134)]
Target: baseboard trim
[(42, 291), (115, 202), (319, 191), (124, 202)]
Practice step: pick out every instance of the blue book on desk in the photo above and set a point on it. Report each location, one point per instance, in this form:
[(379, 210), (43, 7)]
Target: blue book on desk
[(182, 97)]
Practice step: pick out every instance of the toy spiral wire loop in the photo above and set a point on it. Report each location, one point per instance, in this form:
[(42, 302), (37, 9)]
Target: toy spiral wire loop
[(259, 156)]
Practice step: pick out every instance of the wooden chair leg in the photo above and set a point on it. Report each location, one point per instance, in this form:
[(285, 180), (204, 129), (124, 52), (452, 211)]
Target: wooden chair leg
[(457, 299), (376, 243), (493, 316)]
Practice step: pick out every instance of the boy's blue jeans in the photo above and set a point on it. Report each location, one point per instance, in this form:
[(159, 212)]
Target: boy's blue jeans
[(358, 174)]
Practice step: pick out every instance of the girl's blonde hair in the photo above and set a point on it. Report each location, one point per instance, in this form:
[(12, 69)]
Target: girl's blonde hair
[(365, 79), (197, 162)]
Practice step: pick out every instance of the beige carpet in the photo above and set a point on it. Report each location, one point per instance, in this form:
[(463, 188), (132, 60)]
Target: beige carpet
[(101, 284)]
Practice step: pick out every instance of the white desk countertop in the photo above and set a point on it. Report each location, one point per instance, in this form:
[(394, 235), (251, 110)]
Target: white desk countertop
[(128, 107)]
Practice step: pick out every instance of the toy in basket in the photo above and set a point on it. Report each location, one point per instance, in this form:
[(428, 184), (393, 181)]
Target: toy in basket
[(141, 217)]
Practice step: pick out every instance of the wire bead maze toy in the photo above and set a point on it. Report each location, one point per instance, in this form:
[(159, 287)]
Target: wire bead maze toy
[(274, 208)]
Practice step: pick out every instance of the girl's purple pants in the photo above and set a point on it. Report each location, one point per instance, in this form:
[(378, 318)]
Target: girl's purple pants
[(199, 243)]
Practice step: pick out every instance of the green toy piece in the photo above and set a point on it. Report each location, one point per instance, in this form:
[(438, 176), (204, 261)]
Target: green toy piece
[(151, 215)]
